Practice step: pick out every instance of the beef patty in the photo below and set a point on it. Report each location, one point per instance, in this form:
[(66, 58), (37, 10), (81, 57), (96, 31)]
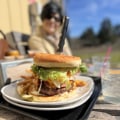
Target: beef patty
[(49, 91)]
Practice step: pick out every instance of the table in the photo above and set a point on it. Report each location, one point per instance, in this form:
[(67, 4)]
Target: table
[(112, 110), (101, 111)]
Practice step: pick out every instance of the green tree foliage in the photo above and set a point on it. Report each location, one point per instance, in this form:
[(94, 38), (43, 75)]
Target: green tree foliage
[(89, 37), (105, 33), (88, 34), (116, 30)]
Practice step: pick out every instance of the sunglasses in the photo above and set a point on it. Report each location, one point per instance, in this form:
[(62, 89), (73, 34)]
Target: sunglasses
[(57, 19)]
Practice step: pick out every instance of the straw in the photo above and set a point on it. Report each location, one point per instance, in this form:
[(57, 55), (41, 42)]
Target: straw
[(106, 60), (63, 35)]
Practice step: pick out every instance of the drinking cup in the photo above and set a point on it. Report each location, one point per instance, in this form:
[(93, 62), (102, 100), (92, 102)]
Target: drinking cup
[(100, 66)]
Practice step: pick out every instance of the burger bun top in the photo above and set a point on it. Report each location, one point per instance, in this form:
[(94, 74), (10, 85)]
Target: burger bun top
[(56, 60)]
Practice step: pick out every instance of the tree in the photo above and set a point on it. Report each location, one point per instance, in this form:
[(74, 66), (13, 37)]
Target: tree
[(88, 34), (116, 30), (105, 33), (89, 37)]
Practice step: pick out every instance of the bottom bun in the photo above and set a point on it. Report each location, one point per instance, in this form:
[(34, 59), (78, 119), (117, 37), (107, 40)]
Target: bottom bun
[(39, 98)]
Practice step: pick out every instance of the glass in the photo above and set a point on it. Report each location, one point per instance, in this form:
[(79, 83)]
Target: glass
[(111, 88), (100, 65), (110, 81)]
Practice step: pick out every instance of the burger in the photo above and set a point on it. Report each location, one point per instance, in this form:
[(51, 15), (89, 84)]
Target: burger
[(52, 77)]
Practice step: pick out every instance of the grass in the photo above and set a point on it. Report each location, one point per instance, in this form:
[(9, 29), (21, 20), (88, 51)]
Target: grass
[(87, 53)]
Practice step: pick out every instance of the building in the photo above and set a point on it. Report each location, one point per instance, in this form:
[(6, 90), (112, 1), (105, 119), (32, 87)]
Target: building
[(14, 15)]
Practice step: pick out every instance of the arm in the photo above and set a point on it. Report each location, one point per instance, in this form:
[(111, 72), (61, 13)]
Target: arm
[(36, 43), (67, 49)]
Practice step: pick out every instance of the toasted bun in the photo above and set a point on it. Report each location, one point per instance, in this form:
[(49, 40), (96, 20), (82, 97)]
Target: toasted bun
[(56, 60), (14, 53), (38, 98)]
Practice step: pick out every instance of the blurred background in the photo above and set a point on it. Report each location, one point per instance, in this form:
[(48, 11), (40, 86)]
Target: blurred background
[(94, 24)]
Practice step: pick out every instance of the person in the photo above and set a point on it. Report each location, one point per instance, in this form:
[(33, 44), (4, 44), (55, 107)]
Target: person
[(47, 35)]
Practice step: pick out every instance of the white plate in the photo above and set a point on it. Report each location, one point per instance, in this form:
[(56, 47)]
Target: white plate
[(10, 92), (49, 108)]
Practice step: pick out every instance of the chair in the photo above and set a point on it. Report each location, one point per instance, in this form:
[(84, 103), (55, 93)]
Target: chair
[(19, 41), (3, 45)]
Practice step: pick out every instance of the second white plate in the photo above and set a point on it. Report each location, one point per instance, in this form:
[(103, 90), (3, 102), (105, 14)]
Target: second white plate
[(10, 92), (49, 108)]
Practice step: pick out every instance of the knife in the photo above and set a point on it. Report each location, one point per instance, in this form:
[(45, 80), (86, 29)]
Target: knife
[(63, 35)]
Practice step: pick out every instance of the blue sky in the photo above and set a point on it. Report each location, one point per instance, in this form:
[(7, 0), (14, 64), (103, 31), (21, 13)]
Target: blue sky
[(90, 13)]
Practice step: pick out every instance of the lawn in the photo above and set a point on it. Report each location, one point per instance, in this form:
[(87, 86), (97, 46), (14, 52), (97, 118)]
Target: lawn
[(87, 53)]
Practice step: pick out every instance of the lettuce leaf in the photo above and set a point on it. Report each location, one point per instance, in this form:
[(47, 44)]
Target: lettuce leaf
[(83, 68), (53, 73)]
